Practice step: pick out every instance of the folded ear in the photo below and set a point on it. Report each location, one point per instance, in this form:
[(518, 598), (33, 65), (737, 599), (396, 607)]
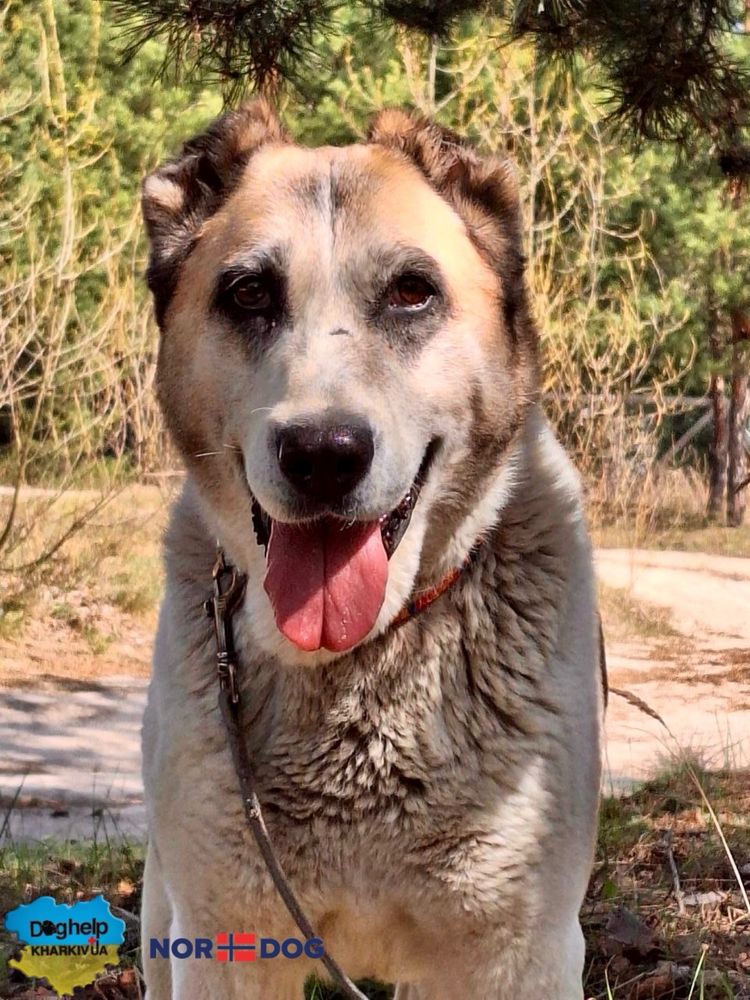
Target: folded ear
[(483, 190), (180, 195)]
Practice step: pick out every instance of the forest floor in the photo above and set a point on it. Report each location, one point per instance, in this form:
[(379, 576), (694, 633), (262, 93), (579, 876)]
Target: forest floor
[(74, 664)]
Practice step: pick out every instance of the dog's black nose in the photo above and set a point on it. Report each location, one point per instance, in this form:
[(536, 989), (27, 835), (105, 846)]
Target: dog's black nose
[(324, 463)]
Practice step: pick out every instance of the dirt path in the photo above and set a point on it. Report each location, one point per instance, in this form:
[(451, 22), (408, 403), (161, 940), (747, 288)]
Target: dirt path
[(708, 597), (697, 676), (75, 744), (74, 754)]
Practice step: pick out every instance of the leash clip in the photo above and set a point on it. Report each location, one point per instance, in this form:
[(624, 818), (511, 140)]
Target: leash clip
[(229, 588)]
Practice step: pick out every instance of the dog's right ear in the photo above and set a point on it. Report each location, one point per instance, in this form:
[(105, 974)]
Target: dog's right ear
[(179, 196)]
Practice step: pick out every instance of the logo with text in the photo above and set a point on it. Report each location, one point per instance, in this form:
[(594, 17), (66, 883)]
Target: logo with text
[(66, 944), (235, 946)]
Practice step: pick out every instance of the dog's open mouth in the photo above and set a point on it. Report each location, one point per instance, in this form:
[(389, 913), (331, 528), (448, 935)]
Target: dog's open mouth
[(326, 578)]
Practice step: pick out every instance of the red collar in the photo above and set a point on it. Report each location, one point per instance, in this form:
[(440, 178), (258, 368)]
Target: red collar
[(427, 597)]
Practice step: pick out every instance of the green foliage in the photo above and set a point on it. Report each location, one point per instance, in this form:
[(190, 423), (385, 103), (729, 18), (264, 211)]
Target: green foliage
[(700, 239), (337, 97), (63, 80)]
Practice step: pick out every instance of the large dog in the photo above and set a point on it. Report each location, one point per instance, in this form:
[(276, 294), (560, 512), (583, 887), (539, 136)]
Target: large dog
[(349, 367)]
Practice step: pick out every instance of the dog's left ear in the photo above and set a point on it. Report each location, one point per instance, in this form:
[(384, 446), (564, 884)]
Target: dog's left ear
[(483, 190), (180, 195)]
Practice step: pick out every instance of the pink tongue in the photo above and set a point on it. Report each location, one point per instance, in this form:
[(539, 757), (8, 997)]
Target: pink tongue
[(326, 582)]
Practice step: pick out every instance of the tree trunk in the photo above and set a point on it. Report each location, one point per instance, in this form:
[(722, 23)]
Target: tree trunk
[(717, 454), (737, 483), (739, 408)]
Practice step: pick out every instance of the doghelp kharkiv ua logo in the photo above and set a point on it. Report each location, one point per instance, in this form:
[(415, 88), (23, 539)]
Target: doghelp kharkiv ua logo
[(68, 945)]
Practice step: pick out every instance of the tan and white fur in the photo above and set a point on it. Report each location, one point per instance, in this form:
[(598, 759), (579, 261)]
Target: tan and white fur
[(431, 792)]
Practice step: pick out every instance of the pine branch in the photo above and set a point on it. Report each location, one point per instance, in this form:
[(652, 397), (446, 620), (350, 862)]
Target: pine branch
[(242, 44), (668, 65), (430, 17), (668, 68)]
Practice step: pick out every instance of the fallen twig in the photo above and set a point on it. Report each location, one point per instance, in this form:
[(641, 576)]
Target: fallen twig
[(675, 874)]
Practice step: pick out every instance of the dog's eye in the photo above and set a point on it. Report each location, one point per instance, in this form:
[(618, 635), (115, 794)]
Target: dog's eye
[(252, 294), (410, 291)]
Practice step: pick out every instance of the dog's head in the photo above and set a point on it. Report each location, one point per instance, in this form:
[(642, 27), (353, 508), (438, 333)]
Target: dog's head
[(346, 357)]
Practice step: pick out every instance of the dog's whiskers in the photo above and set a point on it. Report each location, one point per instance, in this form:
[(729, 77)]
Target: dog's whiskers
[(213, 454)]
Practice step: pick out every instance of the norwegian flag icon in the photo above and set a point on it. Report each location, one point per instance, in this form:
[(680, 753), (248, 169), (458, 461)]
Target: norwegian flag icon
[(231, 947)]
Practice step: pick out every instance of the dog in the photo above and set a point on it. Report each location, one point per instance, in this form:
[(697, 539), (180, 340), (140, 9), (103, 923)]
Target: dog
[(349, 367)]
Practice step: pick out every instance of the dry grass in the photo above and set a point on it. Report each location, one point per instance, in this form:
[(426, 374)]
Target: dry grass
[(625, 618), (645, 936), (698, 536), (90, 610)]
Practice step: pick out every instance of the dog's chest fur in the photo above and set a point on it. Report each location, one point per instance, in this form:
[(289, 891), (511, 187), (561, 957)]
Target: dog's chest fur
[(424, 719)]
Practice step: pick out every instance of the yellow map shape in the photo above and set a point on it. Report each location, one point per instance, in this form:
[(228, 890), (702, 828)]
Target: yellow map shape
[(65, 972)]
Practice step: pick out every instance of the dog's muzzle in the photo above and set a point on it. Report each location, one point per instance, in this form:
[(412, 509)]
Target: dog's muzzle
[(326, 576)]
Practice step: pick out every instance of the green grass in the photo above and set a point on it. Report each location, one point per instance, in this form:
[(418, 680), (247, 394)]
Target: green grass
[(63, 612), (98, 474), (66, 868), (14, 611), (137, 584), (68, 871), (97, 641)]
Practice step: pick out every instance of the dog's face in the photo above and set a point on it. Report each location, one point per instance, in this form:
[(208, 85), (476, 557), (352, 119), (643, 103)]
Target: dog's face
[(346, 357)]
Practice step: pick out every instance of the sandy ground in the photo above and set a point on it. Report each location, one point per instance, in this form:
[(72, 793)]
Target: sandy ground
[(73, 748), (698, 680), (74, 759)]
